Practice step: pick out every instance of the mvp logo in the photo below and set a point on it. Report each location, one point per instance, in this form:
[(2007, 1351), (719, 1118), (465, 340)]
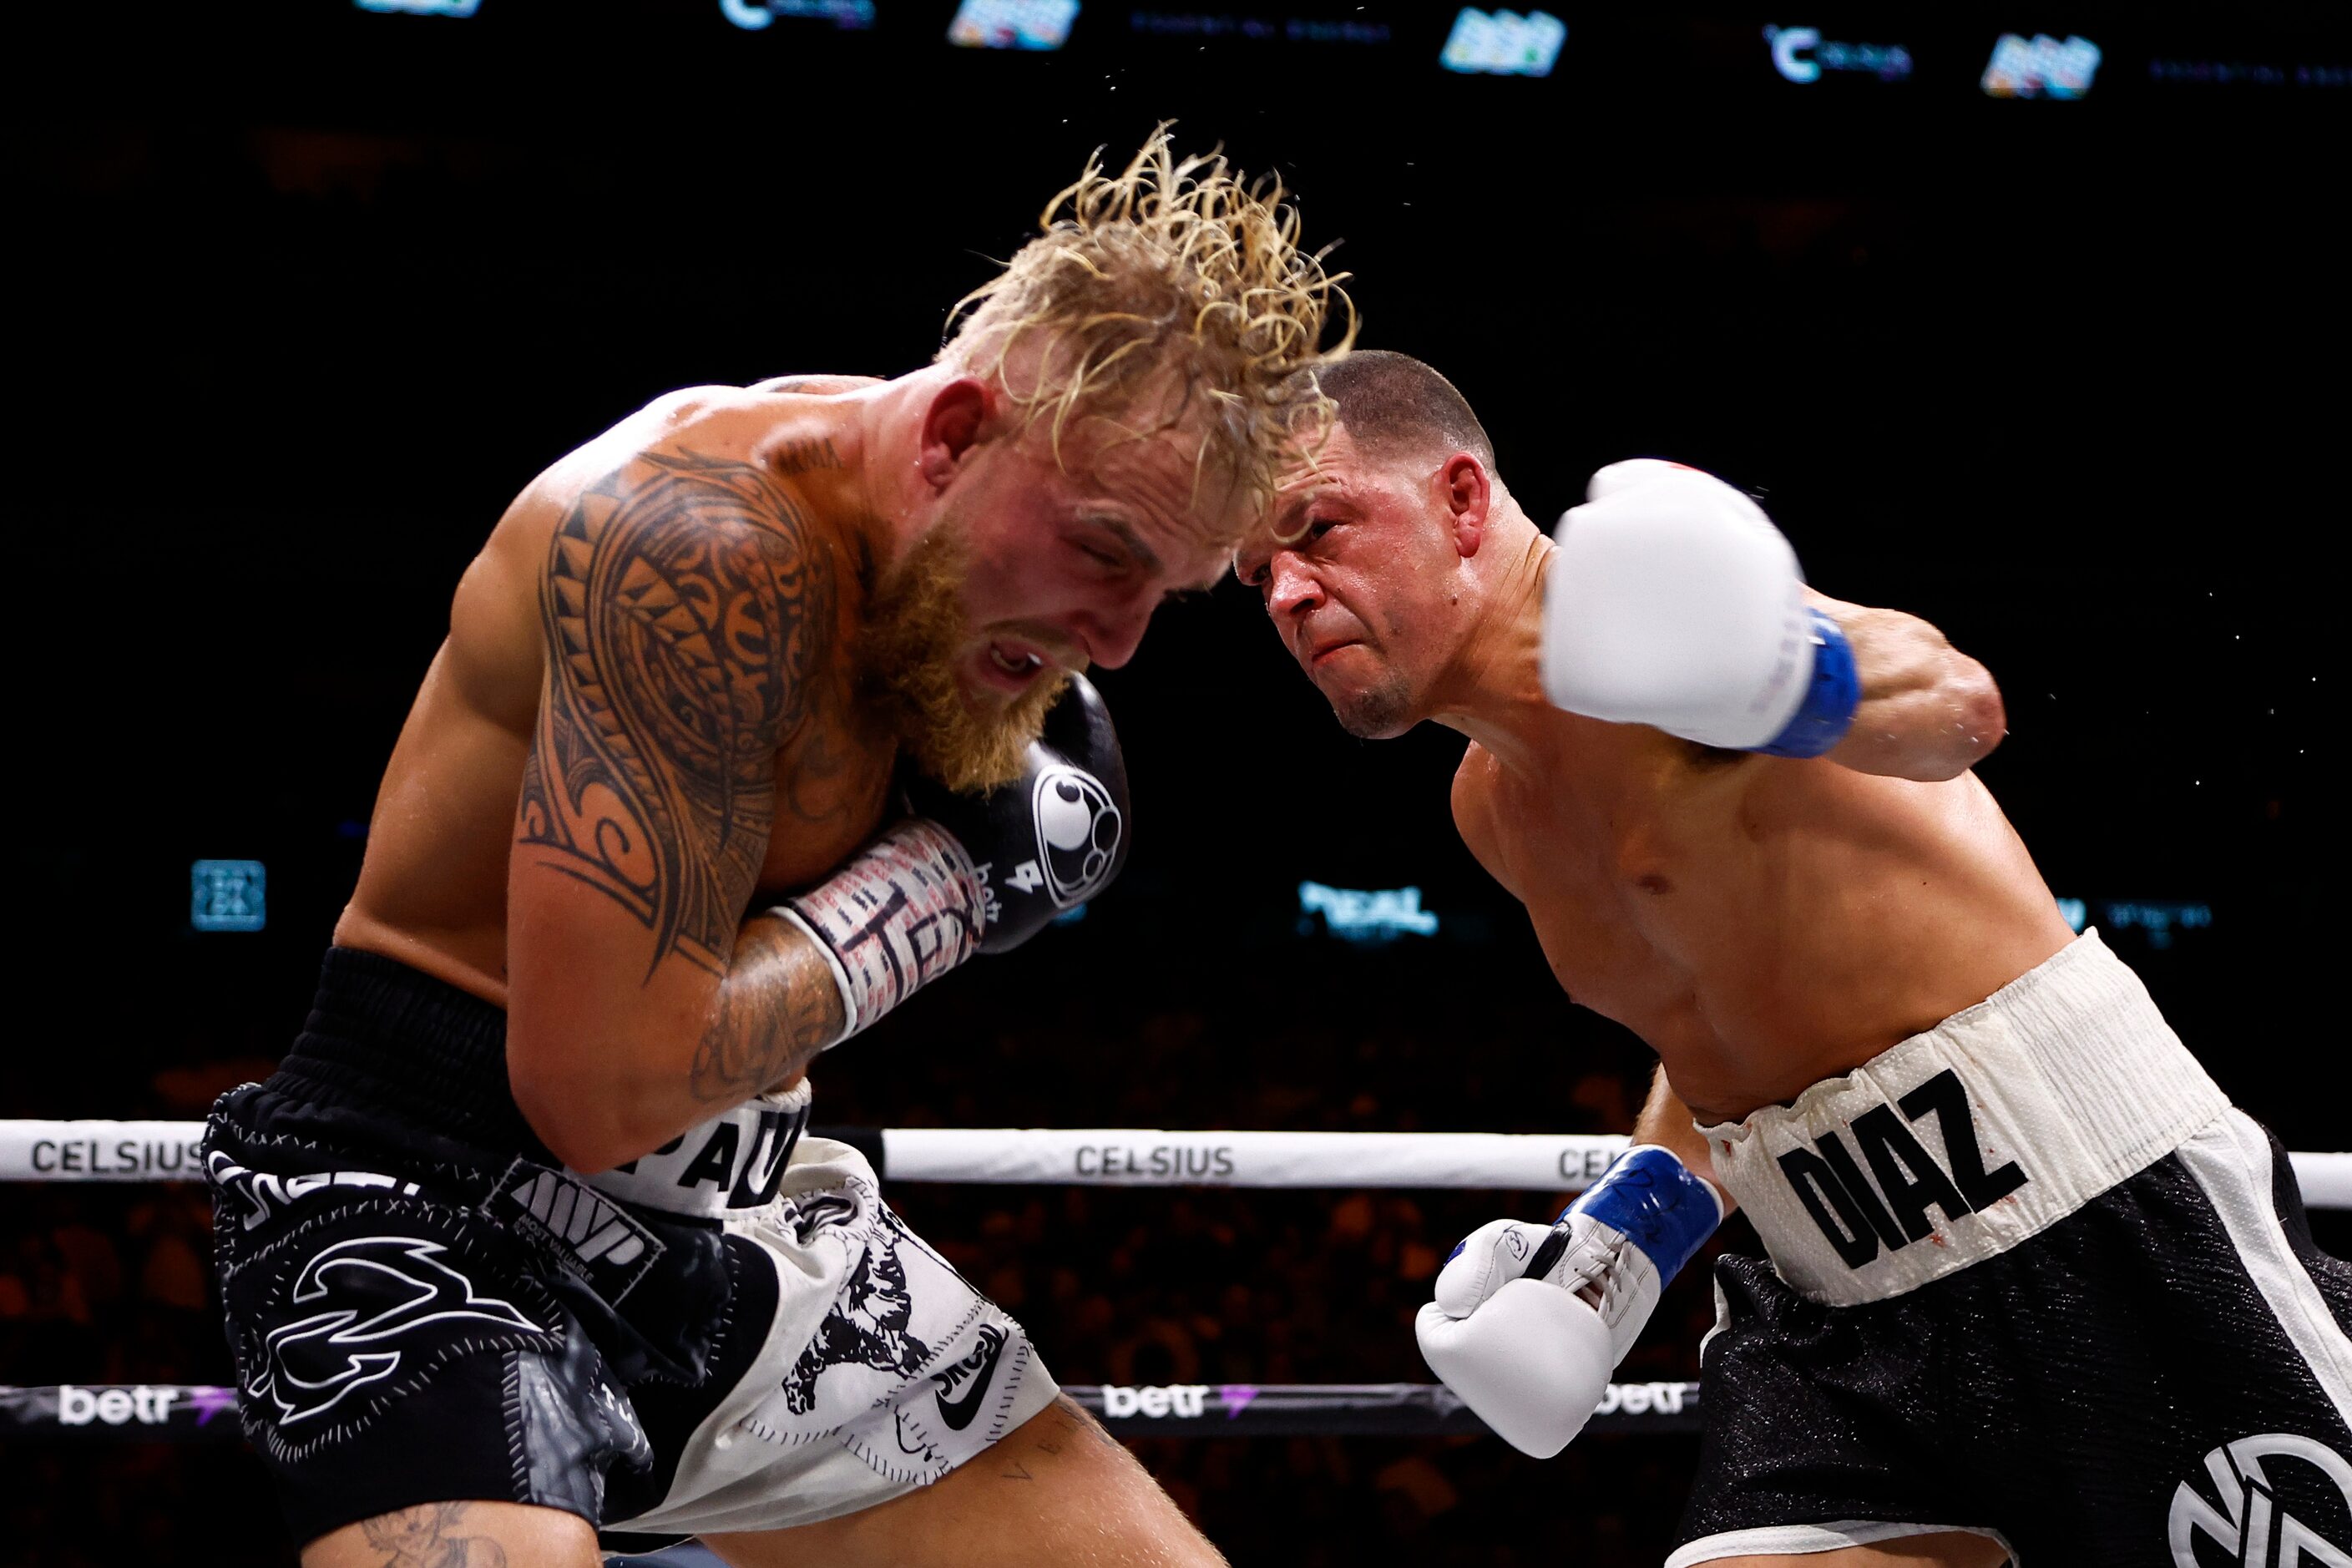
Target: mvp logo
[(1858, 1216)]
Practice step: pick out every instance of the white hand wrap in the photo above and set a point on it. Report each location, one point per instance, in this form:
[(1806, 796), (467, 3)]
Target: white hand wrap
[(1674, 602), (902, 912)]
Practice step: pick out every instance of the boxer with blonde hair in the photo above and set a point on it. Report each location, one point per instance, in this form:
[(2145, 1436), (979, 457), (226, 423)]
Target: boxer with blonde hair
[(756, 713)]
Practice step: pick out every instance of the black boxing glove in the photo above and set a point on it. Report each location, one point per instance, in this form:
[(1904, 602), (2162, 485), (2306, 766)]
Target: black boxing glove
[(1052, 838), (975, 873)]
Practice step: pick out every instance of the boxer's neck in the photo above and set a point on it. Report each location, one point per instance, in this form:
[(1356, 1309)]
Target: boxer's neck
[(1492, 690), (877, 493)]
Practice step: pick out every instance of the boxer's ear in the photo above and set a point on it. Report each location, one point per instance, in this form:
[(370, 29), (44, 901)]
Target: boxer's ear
[(1467, 494), (953, 425)]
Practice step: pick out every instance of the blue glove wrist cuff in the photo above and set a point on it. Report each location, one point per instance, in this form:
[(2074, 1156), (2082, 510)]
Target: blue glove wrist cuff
[(1831, 697), (1652, 1198)]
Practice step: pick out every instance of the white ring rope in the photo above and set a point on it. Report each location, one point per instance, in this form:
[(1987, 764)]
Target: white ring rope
[(1137, 1157), (95, 1150)]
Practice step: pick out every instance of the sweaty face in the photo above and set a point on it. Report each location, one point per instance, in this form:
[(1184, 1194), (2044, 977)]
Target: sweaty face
[(1356, 571), (1031, 570)]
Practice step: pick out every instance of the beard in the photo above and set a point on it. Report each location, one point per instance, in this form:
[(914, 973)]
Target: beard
[(907, 657), (1380, 709), (1379, 712)]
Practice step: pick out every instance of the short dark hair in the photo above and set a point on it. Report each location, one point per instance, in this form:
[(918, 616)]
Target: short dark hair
[(1388, 399)]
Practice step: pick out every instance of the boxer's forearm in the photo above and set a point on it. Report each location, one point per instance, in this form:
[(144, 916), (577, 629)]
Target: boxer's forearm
[(1667, 1121), (1928, 711), (778, 1006)]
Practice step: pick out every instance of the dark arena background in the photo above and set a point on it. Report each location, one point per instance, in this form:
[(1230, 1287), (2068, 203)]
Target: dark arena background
[(2055, 358)]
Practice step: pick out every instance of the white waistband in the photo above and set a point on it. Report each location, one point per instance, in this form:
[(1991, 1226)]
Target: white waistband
[(732, 1162), (1964, 1141)]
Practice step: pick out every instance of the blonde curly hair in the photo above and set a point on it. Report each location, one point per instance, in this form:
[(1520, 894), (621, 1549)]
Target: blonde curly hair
[(1173, 292)]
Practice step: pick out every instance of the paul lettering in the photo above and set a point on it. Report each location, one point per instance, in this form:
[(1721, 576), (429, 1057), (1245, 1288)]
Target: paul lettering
[(763, 1173), (716, 1163)]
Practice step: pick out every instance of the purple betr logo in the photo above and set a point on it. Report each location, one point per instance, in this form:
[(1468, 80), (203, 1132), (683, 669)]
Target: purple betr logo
[(211, 1400), (1235, 1397)]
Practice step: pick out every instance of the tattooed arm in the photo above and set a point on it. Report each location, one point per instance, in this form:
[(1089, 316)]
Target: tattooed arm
[(686, 610), (436, 1535)]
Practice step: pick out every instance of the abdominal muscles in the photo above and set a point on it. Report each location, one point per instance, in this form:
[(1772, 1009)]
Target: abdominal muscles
[(1758, 957)]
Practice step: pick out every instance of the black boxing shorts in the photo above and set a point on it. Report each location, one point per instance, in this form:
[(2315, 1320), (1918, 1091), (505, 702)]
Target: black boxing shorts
[(2031, 1278), (733, 1332), (423, 1305)]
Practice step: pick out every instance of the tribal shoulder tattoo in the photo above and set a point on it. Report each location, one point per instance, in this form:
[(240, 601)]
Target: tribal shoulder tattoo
[(687, 609)]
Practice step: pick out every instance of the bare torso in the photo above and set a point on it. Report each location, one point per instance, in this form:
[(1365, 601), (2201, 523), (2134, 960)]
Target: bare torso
[(433, 889), (1762, 925)]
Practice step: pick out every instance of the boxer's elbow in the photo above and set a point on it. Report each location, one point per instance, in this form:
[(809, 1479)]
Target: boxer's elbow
[(582, 1114), (1938, 729), (1980, 717)]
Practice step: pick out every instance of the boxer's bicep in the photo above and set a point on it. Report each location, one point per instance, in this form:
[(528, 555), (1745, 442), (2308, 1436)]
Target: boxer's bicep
[(684, 608), (1928, 711)]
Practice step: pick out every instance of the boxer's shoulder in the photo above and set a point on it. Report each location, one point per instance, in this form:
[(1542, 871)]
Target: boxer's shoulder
[(720, 423), (813, 385)]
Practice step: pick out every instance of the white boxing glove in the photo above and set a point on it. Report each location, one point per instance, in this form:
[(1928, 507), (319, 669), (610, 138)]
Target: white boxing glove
[(1529, 1321), (1671, 601)]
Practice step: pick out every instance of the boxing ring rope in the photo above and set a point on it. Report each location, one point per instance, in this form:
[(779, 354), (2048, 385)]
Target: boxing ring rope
[(84, 1151), (206, 1412), (100, 1151)]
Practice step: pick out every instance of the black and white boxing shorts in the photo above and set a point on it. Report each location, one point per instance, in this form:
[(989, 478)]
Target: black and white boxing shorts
[(732, 1333), (2031, 1277)]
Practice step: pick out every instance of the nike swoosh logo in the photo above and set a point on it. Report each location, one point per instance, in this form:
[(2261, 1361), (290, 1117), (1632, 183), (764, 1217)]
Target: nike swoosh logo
[(959, 1413)]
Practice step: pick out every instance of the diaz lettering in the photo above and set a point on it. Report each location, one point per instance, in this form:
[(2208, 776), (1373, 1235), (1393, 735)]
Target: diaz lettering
[(1165, 1161), (1857, 1215)]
